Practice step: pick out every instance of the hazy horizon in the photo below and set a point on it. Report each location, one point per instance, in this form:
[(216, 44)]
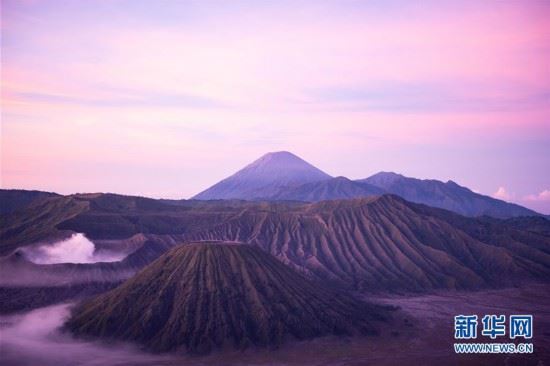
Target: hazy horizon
[(166, 99)]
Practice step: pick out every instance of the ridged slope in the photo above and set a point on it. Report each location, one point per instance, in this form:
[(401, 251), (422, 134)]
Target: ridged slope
[(387, 243), (15, 199), (381, 243), (199, 297), (37, 221)]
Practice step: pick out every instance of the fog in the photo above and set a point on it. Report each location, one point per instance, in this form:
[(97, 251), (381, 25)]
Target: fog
[(76, 249), (34, 338)]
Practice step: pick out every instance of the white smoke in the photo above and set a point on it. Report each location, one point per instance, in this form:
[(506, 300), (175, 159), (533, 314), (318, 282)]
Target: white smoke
[(33, 338), (76, 249)]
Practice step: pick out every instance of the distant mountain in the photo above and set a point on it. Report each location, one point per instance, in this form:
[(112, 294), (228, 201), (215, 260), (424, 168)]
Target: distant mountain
[(15, 199), (449, 196), (206, 296), (329, 189), (264, 177), (282, 176)]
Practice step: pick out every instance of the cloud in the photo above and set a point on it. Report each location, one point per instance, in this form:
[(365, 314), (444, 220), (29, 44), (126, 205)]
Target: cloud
[(125, 99), (398, 97), (76, 249), (503, 194), (542, 196)]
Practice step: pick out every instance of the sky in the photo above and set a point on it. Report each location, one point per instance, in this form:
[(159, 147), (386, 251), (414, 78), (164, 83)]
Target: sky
[(165, 98)]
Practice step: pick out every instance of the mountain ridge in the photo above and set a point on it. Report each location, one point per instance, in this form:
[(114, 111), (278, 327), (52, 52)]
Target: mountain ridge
[(378, 243), (448, 195), (15, 199), (381, 243)]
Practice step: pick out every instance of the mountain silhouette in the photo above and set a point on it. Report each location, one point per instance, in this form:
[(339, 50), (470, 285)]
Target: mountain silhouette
[(284, 176), (449, 196), (264, 177)]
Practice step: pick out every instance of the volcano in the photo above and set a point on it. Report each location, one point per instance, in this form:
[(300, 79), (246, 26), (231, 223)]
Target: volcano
[(283, 176), (204, 296), (264, 177)]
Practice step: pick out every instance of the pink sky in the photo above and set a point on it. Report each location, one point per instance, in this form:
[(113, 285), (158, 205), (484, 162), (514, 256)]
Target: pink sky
[(164, 99)]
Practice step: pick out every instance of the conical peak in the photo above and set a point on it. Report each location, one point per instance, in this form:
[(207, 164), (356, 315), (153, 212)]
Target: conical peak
[(265, 177), (202, 296), (284, 158)]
